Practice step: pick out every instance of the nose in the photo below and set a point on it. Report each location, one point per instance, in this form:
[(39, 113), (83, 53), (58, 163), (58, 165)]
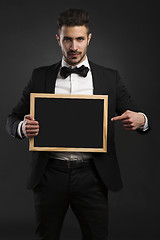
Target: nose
[(73, 46)]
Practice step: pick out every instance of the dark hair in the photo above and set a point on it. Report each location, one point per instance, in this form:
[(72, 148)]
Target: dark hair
[(73, 17)]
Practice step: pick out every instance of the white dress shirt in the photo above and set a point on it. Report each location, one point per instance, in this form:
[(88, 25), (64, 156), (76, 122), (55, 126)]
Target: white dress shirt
[(75, 84)]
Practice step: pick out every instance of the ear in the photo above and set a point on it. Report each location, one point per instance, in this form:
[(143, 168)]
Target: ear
[(58, 39), (89, 38)]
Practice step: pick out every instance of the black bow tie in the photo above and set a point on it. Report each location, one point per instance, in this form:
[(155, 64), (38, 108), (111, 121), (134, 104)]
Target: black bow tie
[(82, 71)]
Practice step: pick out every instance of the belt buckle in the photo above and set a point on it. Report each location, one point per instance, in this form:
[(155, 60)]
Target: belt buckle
[(78, 162)]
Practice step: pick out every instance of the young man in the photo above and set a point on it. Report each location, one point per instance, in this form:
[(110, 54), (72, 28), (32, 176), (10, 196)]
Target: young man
[(84, 186)]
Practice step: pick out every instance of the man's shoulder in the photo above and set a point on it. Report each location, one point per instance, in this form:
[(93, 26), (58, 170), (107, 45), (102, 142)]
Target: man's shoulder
[(46, 68), (102, 68)]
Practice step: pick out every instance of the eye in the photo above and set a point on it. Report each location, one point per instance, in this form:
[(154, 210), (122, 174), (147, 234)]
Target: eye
[(80, 39), (67, 39)]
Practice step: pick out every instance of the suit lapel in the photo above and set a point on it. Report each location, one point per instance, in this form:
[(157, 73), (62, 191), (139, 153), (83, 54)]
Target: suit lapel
[(51, 77), (101, 82), (97, 81)]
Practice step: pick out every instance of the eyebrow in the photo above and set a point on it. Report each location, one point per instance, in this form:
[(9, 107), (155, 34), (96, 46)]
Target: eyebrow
[(65, 37)]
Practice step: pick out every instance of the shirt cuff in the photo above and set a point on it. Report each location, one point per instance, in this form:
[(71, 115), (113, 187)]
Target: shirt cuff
[(146, 126), (19, 129)]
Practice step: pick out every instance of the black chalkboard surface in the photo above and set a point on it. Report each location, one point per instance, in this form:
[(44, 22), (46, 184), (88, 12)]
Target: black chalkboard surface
[(70, 122)]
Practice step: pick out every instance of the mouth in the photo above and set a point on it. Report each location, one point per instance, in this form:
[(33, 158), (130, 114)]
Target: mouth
[(74, 55)]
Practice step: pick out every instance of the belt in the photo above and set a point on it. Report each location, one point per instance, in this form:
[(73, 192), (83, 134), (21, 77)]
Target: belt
[(72, 163)]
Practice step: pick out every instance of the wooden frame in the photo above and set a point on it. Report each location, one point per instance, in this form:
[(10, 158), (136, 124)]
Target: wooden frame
[(103, 148)]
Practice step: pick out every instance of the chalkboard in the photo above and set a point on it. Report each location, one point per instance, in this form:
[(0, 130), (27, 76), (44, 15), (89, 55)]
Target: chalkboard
[(69, 122)]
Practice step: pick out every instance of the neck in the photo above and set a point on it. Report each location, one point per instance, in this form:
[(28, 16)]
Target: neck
[(75, 64)]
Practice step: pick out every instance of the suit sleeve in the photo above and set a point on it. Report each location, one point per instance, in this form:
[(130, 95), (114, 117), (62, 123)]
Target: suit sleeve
[(125, 102), (123, 99), (20, 110)]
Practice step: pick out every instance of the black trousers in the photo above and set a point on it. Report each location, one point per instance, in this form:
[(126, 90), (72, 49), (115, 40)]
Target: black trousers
[(77, 186)]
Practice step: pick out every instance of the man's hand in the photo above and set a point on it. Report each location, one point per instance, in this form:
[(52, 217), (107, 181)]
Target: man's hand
[(131, 120), (30, 127)]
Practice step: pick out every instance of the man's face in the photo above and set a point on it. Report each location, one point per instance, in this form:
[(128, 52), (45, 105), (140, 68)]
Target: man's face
[(73, 42)]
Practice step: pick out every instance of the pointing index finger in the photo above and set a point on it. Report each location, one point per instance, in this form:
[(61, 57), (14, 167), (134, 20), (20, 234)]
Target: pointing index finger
[(116, 118), (121, 117)]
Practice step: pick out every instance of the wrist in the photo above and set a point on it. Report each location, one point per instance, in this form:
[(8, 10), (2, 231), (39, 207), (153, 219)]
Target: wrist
[(145, 126), (143, 120), (21, 129)]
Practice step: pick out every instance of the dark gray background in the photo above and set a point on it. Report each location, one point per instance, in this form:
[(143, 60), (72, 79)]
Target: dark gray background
[(125, 37)]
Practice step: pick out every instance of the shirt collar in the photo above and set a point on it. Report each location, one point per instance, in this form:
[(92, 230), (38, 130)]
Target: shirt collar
[(85, 63)]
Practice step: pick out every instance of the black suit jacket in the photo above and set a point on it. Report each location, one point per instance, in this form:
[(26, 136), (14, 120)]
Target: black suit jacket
[(107, 82)]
